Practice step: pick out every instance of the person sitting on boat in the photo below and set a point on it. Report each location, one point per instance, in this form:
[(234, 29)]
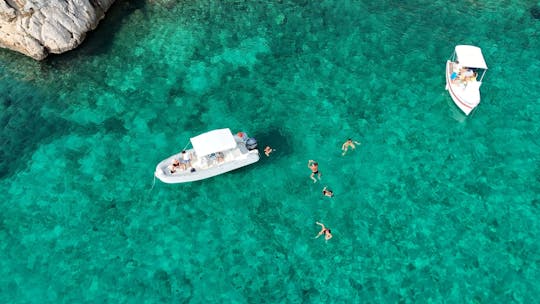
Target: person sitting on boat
[(214, 158), (175, 164), (186, 160), (456, 69), (454, 76), (220, 157), (456, 66), (465, 74), (472, 77), (468, 73)]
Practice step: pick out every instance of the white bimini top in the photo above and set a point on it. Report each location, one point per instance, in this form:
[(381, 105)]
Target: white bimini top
[(213, 141), (470, 56)]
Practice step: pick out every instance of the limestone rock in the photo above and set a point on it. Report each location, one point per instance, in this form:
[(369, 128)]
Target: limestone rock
[(37, 28)]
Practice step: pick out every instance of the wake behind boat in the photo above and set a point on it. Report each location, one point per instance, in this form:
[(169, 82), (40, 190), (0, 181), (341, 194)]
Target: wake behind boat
[(461, 76), (212, 153)]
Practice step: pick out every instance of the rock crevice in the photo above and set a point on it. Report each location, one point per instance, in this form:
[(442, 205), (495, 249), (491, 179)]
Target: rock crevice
[(37, 28)]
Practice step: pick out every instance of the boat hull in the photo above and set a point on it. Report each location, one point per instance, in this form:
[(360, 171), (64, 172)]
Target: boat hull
[(466, 99)]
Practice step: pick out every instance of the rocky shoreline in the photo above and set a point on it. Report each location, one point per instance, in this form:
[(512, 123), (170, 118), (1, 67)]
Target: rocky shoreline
[(38, 28)]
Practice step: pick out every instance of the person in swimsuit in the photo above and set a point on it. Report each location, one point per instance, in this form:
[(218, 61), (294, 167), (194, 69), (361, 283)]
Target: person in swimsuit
[(327, 233), (327, 192), (314, 166), (175, 164), (347, 144), (268, 150)]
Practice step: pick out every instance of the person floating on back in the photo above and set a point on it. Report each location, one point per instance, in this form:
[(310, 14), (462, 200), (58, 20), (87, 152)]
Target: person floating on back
[(327, 233), (314, 166), (347, 144)]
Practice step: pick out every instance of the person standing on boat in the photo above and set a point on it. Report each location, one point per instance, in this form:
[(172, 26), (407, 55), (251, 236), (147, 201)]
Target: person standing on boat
[(314, 166), (186, 160), (327, 233), (347, 144)]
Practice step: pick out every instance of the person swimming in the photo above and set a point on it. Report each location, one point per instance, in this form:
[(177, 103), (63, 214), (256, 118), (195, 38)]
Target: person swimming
[(347, 144), (327, 192), (314, 166), (327, 233), (268, 150)]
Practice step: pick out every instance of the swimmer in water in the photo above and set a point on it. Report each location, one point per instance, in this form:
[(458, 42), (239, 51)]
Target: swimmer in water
[(268, 150), (314, 166), (327, 233), (347, 144), (327, 192)]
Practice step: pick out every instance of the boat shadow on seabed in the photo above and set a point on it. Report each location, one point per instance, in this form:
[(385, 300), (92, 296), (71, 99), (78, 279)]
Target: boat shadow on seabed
[(275, 138)]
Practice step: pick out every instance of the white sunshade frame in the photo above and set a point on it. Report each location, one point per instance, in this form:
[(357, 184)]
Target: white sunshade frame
[(470, 56), (213, 141)]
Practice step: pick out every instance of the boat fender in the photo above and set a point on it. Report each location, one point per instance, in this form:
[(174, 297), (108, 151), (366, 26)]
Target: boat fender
[(251, 143)]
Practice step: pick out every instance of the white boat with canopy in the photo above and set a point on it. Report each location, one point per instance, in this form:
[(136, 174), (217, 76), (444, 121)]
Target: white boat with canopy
[(212, 153), (464, 74)]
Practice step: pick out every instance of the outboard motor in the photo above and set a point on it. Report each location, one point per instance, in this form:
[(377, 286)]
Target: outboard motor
[(251, 143)]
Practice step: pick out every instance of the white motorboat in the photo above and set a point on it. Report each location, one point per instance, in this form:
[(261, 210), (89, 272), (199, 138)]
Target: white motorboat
[(462, 72), (212, 153)]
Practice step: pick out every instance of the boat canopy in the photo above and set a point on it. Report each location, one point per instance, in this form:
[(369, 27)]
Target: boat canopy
[(470, 56), (213, 141)]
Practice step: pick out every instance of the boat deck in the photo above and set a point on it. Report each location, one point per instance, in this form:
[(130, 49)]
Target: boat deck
[(463, 86), (214, 160), (463, 76)]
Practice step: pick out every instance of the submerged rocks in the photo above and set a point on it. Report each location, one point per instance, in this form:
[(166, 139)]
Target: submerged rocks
[(37, 28), (535, 12)]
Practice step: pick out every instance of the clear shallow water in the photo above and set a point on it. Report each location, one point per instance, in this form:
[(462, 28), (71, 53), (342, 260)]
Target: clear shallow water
[(432, 207)]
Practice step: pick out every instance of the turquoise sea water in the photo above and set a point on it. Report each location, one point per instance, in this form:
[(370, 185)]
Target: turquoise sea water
[(432, 207)]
